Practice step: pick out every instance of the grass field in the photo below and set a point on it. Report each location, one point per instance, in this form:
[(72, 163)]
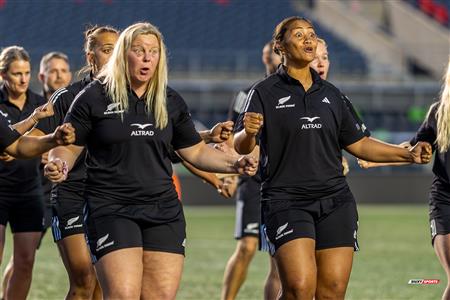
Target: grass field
[(394, 241)]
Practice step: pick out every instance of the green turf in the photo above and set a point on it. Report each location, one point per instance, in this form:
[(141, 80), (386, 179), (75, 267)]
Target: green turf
[(394, 241)]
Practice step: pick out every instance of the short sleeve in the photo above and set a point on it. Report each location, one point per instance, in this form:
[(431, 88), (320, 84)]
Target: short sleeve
[(237, 106), (427, 131), (360, 124), (61, 100), (7, 134), (350, 130), (79, 115), (252, 104), (184, 133)]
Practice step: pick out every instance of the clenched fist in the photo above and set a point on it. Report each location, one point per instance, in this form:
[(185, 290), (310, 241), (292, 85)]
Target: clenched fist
[(253, 123), (64, 134), (56, 170), (421, 153), (246, 165)]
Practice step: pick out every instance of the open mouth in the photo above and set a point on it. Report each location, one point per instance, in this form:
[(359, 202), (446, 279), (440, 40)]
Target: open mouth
[(144, 71), (309, 49)]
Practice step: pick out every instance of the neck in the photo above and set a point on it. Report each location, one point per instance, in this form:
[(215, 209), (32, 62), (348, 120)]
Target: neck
[(13, 97), (139, 89), (300, 72)]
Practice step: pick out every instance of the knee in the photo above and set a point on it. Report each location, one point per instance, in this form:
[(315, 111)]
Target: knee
[(299, 289), (166, 294), (123, 292), (83, 278), (334, 289), (247, 248), (24, 263)]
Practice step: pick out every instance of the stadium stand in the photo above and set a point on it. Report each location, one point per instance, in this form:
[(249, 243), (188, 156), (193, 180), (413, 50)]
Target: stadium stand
[(202, 36)]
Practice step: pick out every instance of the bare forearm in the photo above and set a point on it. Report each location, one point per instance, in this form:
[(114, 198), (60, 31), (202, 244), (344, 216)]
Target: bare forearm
[(30, 146), (69, 154), (208, 159), (377, 151), (244, 143), (25, 125)]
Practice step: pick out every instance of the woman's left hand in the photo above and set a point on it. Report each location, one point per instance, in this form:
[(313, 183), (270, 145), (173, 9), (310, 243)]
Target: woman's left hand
[(421, 153), (246, 165)]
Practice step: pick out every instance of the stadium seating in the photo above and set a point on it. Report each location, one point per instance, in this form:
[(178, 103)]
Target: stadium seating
[(439, 10), (213, 36)]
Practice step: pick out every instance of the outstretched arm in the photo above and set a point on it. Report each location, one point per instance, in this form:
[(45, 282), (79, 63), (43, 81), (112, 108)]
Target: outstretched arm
[(378, 151), (32, 146), (211, 160)]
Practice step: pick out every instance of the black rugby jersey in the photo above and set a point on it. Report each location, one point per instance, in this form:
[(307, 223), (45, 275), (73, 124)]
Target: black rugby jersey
[(128, 160), (302, 138), (7, 134), (234, 114), (62, 100), (20, 176), (441, 166)]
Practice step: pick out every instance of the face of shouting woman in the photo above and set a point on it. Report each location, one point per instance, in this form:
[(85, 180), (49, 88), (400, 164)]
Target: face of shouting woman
[(143, 59), (299, 43)]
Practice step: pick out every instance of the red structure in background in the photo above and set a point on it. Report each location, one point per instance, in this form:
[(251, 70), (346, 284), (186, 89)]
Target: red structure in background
[(437, 11), (2, 3)]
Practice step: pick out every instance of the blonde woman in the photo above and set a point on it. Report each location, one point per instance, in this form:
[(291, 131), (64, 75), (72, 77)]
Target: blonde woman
[(436, 131), (128, 122)]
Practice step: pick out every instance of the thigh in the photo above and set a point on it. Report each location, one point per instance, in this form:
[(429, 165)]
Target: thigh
[(120, 273), (334, 266), (27, 215), (2, 241), (75, 254), (162, 274), (442, 249), (25, 245), (296, 262)]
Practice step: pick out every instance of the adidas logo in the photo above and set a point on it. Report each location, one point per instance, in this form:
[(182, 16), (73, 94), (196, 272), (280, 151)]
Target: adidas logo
[(325, 100)]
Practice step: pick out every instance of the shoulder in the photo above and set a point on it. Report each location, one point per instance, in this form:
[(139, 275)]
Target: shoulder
[(328, 87), (266, 83), (174, 99)]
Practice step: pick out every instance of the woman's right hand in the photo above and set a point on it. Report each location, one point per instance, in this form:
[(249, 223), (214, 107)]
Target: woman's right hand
[(253, 123), (43, 111), (56, 170), (64, 134)]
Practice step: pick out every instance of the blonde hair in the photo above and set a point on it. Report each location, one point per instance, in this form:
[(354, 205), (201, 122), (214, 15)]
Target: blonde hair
[(117, 78), (443, 114), (319, 40)]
